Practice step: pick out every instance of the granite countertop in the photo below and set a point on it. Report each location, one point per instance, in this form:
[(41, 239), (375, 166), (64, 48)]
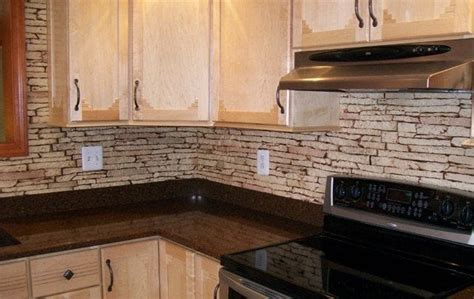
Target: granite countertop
[(210, 226)]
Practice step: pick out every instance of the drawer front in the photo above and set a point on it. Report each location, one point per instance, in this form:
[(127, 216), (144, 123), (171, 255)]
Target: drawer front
[(89, 293), (48, 273)]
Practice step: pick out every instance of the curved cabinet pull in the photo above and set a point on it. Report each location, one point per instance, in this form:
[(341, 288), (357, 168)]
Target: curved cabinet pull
[(371, 13), (78, 91), (282, 109), (68, 274), (356, 10), (111, 272), (137, 108), (216, 291)]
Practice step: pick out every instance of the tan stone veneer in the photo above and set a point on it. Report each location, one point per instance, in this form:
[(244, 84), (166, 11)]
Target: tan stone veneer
[(410, 136)]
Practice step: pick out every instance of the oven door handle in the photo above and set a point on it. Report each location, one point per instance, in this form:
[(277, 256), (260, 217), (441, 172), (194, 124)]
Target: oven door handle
[(245, 288)]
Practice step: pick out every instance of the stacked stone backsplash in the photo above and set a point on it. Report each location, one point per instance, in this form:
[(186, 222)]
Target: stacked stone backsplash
[(409, 136)]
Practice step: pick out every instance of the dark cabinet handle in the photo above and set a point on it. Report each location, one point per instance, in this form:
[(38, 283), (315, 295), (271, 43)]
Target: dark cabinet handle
[(371, 13), (216, 291), (356, 10), (68, 274), (137, 108), (282, 109), (78, 91), (108, 263)]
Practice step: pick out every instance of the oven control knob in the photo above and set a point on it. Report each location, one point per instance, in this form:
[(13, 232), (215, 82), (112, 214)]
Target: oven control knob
[(340, 191), (356, 192), (467, 215), (447, 208)]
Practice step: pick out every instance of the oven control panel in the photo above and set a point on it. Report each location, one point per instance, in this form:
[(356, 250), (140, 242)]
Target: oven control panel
[(430, 205)]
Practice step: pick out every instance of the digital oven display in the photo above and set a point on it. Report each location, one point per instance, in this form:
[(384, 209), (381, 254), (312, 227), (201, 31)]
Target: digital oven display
[(401, 196)]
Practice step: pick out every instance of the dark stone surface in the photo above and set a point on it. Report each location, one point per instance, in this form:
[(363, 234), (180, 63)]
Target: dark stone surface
[(212, 218), (52, 203)]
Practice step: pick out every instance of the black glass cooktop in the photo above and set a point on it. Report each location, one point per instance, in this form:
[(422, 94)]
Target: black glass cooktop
[(332, 266)]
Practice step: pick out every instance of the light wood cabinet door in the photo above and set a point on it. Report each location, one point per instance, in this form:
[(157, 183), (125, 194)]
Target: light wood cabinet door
[(252, 54), (171, 50), (417, 19), (89, 293), (134, 268), (98, 59), (319, 23), (13, 281), (176, 271), (207, 276), (88, 48)]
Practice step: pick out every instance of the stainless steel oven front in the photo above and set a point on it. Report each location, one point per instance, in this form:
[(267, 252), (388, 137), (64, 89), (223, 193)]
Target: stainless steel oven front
[(233, 286)]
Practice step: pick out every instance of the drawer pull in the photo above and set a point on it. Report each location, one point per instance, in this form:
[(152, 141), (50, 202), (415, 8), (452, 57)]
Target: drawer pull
[(108, 263), (68, 274)]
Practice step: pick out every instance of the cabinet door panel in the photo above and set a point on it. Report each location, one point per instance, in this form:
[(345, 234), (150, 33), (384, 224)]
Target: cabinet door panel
[(89, 293), (318, 23), (207, 276), (415, 19), (254, 46), (171, 59), (135, 271), (98, 59), (176, 271), (13, 281)]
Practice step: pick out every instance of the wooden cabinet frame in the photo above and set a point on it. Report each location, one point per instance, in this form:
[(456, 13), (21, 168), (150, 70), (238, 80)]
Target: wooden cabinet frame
[(12, 40)]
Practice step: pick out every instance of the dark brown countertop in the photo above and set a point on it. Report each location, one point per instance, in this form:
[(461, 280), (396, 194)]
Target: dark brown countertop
[(213, 227)]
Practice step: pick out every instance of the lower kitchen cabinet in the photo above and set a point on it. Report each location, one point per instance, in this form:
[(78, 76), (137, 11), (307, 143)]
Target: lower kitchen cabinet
[(207, 276), (185, 274), (131, 271), (176, 271), (89, 293), (142, 269), (14, 280)]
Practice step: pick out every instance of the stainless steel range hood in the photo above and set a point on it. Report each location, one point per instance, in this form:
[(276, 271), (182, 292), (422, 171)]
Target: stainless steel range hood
[(431, 66)]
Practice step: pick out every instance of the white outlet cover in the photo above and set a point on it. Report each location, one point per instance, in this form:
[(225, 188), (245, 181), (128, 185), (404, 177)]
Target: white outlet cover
[(263, 162), (92, 158)]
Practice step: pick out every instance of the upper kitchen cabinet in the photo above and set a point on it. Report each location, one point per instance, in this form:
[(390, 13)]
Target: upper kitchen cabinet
[(171, 49), (417, 19), (252, 53), (329, 22), (88, 60), (326, 23)]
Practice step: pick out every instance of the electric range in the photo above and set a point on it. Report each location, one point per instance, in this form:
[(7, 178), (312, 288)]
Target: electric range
[(380, 239)]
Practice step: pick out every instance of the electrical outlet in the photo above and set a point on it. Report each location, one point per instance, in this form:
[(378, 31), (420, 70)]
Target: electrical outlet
[(263, 162), (92, 157)]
